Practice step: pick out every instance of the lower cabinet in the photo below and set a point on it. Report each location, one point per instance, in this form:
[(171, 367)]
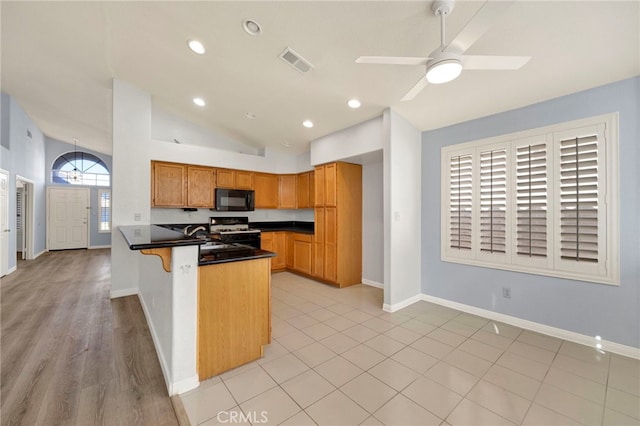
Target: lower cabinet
[(234, 314), (275, 242), (302, 253)]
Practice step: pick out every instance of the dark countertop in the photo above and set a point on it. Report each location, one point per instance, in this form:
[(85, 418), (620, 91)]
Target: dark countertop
[(214, 258), (153, 236), (293, 226)]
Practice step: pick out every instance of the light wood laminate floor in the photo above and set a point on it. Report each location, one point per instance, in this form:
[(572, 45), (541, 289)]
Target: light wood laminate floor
[(72, 356)]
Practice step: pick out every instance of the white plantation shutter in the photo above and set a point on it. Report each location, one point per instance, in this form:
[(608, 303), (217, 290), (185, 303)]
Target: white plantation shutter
[(579, 199), (531, 203), (104, 199), (460, 201), (493, 200), (542, 201)]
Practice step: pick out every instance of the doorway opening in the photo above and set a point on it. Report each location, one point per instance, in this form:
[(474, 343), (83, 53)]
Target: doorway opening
[(25, 213)]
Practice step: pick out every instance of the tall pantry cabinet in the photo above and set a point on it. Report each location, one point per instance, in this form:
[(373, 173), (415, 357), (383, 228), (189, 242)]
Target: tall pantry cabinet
[(337, 244)]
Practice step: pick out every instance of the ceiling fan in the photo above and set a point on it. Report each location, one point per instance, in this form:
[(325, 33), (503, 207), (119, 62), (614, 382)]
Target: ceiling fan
[(447, 61)]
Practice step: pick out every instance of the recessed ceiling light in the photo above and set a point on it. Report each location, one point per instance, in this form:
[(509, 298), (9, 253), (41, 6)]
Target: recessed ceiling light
[(250, 115), (354, 103), (199, 102), (251, 27), (196, 46), (307, 123)]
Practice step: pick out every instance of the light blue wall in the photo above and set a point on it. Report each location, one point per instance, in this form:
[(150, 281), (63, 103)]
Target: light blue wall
[(612, 312), (25, 157), (54, 149)]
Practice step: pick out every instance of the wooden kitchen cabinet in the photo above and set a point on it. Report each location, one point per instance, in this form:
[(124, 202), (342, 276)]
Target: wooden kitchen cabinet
[(234, 314), (266, 190), (302, 252), (289, 249), (305, 190), (287, 192), (168, 184), (200, 186), (234, 179), (243, 179), (275, 242), (337, 246), (225, 178)]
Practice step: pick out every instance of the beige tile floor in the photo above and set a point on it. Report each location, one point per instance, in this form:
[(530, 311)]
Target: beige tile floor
[(337, 359)]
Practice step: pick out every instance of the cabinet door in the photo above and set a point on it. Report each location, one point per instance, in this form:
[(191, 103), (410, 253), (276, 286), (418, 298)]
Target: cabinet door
[(266, 187), (168, 184), (317, 268), (330, 244), (302, 249), (287, 192), (330, 182), (244, 180), (318, 186), (289, 242), (302, 190), (225, 178), (280, 248), (200, 186)]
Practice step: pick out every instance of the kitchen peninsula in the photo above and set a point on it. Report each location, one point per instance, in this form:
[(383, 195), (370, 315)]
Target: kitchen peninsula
[(207, 314)]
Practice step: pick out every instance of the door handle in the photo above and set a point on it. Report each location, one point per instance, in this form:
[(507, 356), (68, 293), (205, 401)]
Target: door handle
[(7, 230)]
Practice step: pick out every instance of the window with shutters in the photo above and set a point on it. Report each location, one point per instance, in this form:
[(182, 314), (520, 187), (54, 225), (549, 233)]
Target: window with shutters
[(104, 210), (543, 201)]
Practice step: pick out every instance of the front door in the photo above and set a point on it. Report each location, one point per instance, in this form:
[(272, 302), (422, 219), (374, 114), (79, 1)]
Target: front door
[(68, 218), (4, 223)]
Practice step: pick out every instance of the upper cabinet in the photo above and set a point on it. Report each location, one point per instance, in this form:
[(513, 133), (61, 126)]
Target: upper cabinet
[(266, 187), (305, 190), (200, 186), (181, 185), (185, 185), (287, 192), (234, 179), (168, 184)]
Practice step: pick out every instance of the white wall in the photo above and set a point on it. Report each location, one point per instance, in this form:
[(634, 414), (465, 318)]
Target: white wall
[(353, 141), (130, 180), (373, 224), (402, 204), (166, 126)]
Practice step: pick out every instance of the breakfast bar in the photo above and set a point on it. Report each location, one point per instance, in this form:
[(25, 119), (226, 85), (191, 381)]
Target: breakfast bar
[(208, 305)]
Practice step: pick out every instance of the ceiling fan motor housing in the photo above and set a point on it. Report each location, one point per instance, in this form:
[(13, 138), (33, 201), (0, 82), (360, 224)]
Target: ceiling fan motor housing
[(442, 7)]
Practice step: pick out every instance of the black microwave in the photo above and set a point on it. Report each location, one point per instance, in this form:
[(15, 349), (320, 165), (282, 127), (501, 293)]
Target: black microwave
[(235, 200)]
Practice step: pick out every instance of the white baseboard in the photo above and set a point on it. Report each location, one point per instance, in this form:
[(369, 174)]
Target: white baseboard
[(372, 283), (156, 342), (99, 247), (560, 333), (397, 306), (12, 269), (37, 255), (184, 385), (123, 293)]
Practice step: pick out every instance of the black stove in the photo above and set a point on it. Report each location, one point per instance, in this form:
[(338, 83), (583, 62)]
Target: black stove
[(233, 230)]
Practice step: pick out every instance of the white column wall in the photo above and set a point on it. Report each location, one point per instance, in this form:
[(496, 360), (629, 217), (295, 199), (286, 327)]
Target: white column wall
[(402, 206)]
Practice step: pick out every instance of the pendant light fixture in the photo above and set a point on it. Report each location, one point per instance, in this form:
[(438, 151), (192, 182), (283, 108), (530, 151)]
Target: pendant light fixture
[(75, 173)]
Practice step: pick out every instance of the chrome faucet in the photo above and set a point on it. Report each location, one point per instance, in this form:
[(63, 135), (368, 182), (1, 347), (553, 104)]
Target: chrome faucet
[(193, 231)]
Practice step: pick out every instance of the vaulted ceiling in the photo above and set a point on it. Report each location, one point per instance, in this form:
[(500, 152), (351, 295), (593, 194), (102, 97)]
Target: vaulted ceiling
[(59, 59)]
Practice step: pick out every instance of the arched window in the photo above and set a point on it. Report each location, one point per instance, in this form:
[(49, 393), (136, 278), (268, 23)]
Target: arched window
[(80, 168)]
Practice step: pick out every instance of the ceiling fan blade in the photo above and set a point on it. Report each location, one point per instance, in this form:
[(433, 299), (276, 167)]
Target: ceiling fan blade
[(421, 84), (485, 62), (479, 24), (392, 60)]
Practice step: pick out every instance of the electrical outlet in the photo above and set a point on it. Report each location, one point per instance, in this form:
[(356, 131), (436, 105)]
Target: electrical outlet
[(136, 217), (506, 292)]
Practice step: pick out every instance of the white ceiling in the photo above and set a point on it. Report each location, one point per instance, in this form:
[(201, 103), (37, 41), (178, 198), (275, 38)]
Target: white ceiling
[(58, 60)]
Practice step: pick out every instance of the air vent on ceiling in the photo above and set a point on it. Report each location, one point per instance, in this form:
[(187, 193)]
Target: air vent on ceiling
[(294, 59)]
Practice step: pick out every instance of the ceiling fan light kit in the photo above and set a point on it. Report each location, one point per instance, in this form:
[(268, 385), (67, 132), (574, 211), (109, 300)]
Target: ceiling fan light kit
[(443, 67), (447, 62)]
